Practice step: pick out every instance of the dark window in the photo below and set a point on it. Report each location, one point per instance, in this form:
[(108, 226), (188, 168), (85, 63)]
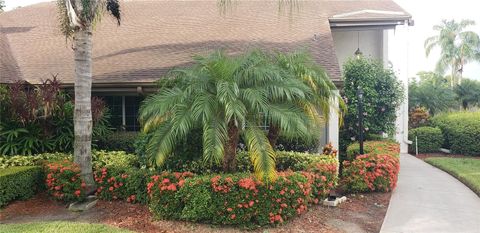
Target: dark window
[(132, 104)]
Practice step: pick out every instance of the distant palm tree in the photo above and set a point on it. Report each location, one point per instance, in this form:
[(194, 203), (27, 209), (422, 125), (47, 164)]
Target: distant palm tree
[(77, 18), (458, 47), (228, 97), (2, 5)]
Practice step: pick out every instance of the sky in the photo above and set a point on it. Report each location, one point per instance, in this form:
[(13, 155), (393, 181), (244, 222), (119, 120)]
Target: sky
[(426, 13)]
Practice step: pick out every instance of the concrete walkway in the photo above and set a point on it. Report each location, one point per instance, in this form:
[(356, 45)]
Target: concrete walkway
[(430, 200)]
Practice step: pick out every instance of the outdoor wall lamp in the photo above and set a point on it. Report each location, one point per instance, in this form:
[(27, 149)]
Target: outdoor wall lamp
[(358, 53)]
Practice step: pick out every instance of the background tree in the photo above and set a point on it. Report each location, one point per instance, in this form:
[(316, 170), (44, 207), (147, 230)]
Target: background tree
[(468, 93), (229, 98), (457, 47), (2, 5), (431, 91), (77, 18)]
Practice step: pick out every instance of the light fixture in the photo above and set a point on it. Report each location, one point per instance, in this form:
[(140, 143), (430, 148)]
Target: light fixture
[(358, 53)]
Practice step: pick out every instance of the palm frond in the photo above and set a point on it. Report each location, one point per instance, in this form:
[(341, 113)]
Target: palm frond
[(261, 153)]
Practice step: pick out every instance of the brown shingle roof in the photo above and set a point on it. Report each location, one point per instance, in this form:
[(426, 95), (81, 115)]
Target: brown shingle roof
[(158, 35)]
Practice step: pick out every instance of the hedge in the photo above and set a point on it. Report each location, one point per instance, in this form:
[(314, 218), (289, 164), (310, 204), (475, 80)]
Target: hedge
[(31, 160), (231, 199), (428, 139), (461, 131), (377, 170), (118, 141), (18, 183)]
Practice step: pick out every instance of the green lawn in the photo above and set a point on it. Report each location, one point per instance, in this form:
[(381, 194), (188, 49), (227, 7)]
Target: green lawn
[(466, 170), (58, 227)]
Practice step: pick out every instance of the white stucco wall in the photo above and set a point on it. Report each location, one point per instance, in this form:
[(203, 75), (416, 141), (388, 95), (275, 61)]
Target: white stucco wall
[(346, 43)]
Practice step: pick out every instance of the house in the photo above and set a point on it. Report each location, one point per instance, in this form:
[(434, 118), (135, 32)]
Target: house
[(156, 36)]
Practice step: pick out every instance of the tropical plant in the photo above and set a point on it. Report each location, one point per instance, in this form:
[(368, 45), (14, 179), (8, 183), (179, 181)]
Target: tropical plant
[(468, 93), (431, 91), (458, 47), (228, 97), (301, 66), (2, 5), (77, 18)]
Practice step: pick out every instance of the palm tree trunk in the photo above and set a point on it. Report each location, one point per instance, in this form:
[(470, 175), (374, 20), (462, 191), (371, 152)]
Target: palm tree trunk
[(229, 159), (273, 133), (83, 113)]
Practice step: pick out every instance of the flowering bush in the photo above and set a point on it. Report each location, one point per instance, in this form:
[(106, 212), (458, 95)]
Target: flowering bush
[(161, 190), (323, 176), (127, 184), (376, 147), (375, 171), (237, 199), (63, 181)]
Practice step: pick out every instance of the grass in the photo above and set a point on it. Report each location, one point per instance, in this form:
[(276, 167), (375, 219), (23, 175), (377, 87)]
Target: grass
[(467, 170), (58, 227)]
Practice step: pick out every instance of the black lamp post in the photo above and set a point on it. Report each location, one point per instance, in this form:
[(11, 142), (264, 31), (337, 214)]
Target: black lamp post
[(360, 118)]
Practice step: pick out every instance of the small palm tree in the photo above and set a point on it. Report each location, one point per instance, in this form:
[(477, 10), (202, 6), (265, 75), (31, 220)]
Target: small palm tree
[(458, 47), (229, 97), (77, 18), (468, 93), (301, 66)]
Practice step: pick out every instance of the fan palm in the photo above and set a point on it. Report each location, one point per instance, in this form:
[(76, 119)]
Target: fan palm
[(458, 47), (316, 106), (77, 18), (229, 97)]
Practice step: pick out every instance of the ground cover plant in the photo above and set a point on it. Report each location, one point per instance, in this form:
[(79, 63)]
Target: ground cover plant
[(59, 227), (464, 169)]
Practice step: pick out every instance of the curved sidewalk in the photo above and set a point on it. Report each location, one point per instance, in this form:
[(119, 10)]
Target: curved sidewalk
[(430, 200)]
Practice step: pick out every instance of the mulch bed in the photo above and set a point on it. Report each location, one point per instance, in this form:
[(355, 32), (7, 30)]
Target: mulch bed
[(441, 154), (361, 213)]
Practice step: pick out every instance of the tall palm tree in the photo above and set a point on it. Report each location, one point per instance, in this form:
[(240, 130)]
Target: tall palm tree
[(77, 18), (228, 97), (458, 47), (301, 66)]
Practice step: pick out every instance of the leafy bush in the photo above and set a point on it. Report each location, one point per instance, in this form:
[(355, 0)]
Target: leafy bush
[(383, 94), (31, 160), (418, 117), (373, 147), (122, 184), (371, 172), (298, 144), (118, 159), (18, 183), (237, 199), (430, 139), (63, 181), (123, 141), (40, 119), (461, 131)]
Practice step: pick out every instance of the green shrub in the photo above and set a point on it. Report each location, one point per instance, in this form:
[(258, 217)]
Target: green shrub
[(375, 147), (233, 199), (428, 139), (118, 141), (461, 131), (18, 183), (119, 159), (31, 160)]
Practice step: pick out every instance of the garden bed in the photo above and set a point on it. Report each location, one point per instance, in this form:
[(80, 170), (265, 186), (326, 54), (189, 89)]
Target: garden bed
[(361, 213)]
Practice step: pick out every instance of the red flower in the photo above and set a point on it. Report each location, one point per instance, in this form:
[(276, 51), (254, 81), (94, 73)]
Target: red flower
[(77, 193), (233, 216), (229, 209)]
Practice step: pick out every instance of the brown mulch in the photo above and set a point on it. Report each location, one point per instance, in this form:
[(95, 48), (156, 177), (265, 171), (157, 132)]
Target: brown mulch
[(361, 213), (441, 154)]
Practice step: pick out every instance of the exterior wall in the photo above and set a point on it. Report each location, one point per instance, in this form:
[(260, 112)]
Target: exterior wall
[(346, 43)]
